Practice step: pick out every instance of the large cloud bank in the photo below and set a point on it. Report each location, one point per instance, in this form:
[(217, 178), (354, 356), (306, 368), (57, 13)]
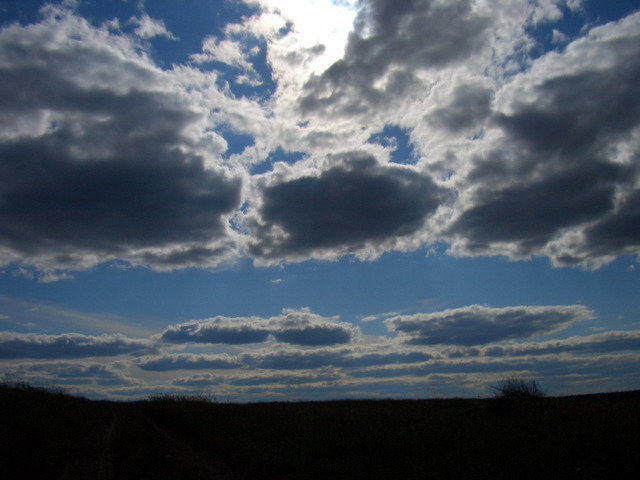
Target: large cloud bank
[(106, 155)]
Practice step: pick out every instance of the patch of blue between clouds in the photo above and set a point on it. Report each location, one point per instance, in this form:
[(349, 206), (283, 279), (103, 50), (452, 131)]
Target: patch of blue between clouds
[(267, 86), (573, 23), (21, 11), (277, 155), (396, 138), (236, 142), (191, 24)]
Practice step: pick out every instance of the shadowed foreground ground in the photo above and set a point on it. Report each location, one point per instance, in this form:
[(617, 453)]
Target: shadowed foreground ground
[(48, 435)]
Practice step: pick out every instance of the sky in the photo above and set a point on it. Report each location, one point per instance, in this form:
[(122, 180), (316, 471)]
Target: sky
[(316, 199)]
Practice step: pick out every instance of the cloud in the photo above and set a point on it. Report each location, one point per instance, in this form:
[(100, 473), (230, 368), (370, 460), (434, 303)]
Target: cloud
[(328, 357), (69, 374), (579, 361), (541, 153), (344, 209), (599, 343), (470, 104), (552, 368), (391, 40), (274, 379), (299, 327), (187, 361), (69, 345), (103, 155), (225, 51), (286, 359), (150, 27), (559, 173), (218, 330), (478, 325)]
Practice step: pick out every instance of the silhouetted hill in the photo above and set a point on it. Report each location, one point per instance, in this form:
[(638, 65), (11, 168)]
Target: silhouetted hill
[(55, 436)]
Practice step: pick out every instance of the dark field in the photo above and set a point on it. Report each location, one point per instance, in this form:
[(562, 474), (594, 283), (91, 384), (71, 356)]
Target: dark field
[(51, 435)]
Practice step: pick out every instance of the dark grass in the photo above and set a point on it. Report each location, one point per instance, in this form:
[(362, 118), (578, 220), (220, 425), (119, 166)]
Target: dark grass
[(564, 437)]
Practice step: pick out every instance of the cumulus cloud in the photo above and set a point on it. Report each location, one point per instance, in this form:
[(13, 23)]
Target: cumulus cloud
[(390, 41), (541, 153), (560, 176), (103, 155), (299, 327), (478, 325), (343, 209), (69, 345)]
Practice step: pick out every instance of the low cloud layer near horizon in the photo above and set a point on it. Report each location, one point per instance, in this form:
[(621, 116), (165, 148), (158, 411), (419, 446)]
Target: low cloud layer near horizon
[(308, 356)]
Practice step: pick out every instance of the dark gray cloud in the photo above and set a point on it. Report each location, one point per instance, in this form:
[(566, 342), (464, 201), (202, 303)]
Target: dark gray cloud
[(98, 156), (554, 368), (531, 212), (343, 208), (598, 343), (281, 359), (618, 232), (310, 359), (403, 36), (51, 201), (607, 342), (315, 335), (207, 379), (469, 106), (299, 327), (199, 380), (570, 118), (478, 325), (188, 361), (218, 330), (568, 161), (69, 345), (69, 374)]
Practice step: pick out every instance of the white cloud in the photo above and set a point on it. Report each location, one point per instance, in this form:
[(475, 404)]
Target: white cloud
[(558, 37), (225, 51), (150, 27)]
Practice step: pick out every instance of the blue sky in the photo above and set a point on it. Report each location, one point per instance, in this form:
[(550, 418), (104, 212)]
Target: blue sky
[(274, 199)]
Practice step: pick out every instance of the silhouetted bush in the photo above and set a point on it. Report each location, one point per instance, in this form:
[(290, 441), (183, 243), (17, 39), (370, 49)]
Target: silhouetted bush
[(518, 388), (517, 396)]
